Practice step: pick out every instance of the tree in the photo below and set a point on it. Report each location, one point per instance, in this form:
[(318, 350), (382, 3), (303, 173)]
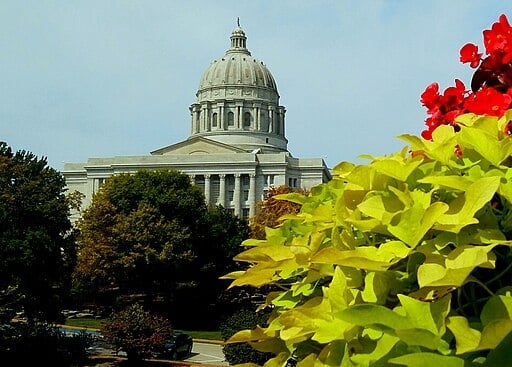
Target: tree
[(405, 260), (270, 210), (136, 332), (37, 250), (150, 235), (223, 235)]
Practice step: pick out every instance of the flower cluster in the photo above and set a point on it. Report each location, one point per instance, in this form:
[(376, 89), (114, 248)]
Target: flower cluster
[(491, 85)]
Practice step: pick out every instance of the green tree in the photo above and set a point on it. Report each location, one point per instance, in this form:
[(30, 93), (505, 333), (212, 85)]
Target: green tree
[(150, 235), (37, 249), (223, 235)]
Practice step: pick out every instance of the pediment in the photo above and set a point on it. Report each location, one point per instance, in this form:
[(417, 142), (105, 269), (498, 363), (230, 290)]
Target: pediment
[(197, 145)]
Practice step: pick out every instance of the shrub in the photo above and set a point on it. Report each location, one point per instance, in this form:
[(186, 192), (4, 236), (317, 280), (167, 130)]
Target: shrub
[(136, 331), (243, 352), (30, 344), (406, 260)]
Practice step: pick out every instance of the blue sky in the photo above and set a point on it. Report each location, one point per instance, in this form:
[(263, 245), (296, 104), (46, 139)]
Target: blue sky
[(82, 79)]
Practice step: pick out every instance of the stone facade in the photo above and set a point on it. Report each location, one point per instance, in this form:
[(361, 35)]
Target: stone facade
[(237, 148)]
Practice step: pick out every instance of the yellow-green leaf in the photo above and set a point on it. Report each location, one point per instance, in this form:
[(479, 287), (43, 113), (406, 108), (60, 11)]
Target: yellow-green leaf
[(426, 359), (462, 210)]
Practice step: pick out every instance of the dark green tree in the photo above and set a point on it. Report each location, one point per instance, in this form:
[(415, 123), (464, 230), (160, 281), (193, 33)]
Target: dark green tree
[(37, 251), (150, 236), (223, 235)]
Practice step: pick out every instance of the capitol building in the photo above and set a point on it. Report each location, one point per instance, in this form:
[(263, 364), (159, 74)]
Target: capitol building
[(237, 148)]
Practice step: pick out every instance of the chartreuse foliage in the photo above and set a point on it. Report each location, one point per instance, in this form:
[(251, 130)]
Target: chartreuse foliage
[(404, 261)]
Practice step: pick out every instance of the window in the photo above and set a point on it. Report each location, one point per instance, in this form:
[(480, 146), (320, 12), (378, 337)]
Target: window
[(214, 120), (245, 180), (269, 180), (231, 119), (231, 195), (246, 195), (247, 119), (230, 181), (215, 188), (199, 180), (290, 182)]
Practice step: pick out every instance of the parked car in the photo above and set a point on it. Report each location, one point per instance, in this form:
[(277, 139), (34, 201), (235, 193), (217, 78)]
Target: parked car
[(178, 346)]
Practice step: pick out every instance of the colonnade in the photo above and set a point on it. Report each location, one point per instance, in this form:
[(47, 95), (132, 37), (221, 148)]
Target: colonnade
[(236, 191), (202, 118)]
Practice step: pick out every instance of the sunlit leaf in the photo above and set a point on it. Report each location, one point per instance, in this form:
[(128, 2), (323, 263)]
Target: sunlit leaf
[(462, 210), (426, 359)]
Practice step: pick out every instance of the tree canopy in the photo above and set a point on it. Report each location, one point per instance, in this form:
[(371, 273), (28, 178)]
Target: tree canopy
[(36, 246), (151, 234)]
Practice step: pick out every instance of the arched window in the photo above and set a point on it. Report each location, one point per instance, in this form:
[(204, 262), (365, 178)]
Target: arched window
[(247, 119), (231, 119), (214, 120)]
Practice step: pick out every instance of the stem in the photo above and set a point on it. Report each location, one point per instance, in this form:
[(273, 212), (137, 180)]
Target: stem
[(483, 286), (472, 295), (459, 302), (509, 266)]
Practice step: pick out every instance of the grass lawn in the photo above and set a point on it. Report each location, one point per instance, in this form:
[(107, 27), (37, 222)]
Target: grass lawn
[(92, 323), (85, 322)]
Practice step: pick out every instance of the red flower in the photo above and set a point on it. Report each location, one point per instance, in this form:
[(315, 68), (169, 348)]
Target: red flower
[(469, 53), (498, 38), (458, 150), (491, 85), (430, 97), (427, 134), (454, 96), (488, 101)]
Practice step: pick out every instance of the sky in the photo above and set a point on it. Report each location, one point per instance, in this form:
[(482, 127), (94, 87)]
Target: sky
[(81, 79)]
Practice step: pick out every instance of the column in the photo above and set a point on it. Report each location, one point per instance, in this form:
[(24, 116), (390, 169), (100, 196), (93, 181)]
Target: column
[(203, 117), (258, 122), (221, 118), (237, 117), (95, 185), (270, 119), (222, 190), (207, 189), (252, 195), (236, 195)]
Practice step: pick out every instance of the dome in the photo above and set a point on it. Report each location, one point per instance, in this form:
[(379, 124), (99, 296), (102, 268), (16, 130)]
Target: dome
[(237, 67), (238, 102)]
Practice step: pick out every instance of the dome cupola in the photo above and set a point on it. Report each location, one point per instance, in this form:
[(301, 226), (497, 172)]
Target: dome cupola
[(238, 102)]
